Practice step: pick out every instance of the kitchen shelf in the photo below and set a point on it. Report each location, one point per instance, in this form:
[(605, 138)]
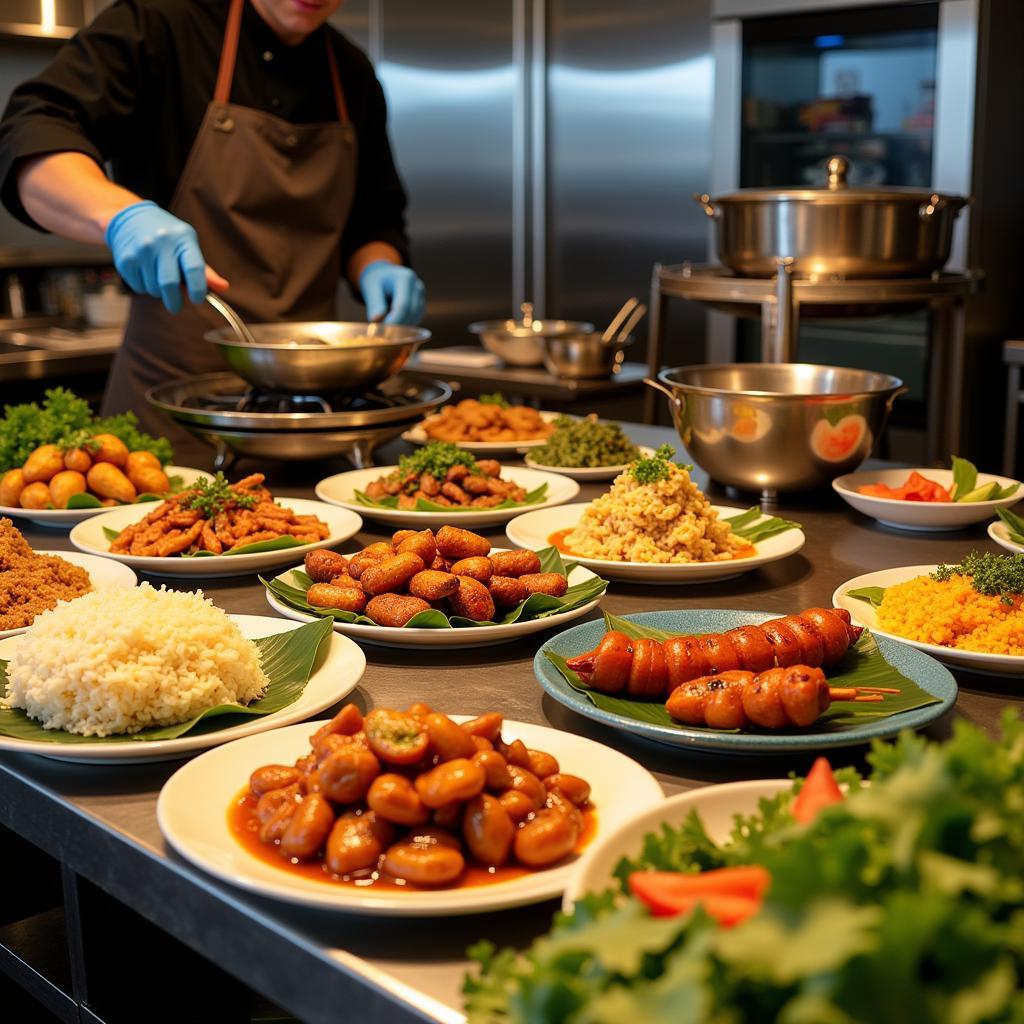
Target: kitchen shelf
[(775, 138)]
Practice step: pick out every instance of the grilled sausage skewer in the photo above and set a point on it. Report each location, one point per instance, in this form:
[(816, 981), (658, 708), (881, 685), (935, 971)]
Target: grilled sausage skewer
[(649, 669)]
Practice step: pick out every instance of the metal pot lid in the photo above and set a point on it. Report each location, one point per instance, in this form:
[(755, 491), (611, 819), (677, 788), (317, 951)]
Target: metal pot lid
[(837, 190), (225, 400)]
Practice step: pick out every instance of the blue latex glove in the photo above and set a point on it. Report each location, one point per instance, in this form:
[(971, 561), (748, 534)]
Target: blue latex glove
[(385, 285), (154, 252)]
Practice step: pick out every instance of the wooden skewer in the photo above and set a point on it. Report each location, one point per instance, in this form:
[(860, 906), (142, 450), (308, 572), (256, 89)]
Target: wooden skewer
[(868, 698), (877, 689)]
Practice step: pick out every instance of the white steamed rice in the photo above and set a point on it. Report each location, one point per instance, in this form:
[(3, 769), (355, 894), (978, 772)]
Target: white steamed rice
[(117, 661)]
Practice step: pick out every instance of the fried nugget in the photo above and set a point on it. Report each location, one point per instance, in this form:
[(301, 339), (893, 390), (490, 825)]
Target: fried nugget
[(472, 600), (395, 609), (515, 563), (552, 583), (507, 591), (323, 565), (327, 595), (455, 543), (391, 575), (421, 544), (479, 568), (432, 585)]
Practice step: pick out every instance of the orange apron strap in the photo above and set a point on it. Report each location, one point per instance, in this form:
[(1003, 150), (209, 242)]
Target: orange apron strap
[(339, 93), (229, 53)]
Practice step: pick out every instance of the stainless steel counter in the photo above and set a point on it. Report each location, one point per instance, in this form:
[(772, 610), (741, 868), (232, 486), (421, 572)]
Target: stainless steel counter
[(51, 352), (100, 822)]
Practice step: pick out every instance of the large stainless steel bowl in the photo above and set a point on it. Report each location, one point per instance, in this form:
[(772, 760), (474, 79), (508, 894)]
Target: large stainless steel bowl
[(773, 427), (317, 357), (520, 343), (840, 230)]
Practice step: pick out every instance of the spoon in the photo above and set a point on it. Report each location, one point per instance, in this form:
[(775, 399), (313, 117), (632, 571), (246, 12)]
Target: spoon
[(627, 307), (236, 323)]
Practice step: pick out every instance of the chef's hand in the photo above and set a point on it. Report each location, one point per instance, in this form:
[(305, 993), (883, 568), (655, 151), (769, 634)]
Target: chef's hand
[(392, 289), (156, 253)]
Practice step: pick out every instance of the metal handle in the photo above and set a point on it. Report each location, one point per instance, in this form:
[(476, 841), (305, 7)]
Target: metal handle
[(236, 323), (838, 167), (667, 392), (928, 210), (526, 309), (634, 318), (892, 398), (627, 307), (705, 201)]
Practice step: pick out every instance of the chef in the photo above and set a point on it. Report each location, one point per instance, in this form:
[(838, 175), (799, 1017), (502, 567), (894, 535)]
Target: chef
[(248, 154)]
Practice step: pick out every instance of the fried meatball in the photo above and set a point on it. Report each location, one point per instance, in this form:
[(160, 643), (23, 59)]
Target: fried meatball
[(394, 609), (323, 565), (472, 600), (515, 563), (455, 544), (553, 583)]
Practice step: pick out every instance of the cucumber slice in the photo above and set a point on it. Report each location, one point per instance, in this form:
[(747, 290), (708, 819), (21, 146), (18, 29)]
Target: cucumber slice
[(983, 493)]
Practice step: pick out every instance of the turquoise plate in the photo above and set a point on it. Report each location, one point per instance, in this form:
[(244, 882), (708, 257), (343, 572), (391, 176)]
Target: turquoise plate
[(921, 668)]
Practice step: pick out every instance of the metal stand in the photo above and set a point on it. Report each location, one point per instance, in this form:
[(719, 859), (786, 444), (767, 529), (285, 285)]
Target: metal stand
[(785, 299)]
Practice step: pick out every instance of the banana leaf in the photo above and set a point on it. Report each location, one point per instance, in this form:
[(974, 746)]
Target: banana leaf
[(1014, 525), (862, 666), (422, 505), (288, 659), (873, 595), (86, 500), (536, 606), (746, 525)]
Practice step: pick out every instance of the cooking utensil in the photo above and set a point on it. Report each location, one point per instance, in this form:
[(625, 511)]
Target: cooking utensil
[(627, 307), (317, 357), (839, 230), (634, 318), (521, 342), (235, 322), (773, 427), (585, 356)]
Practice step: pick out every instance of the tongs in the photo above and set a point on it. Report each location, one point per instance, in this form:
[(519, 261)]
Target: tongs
[(624, 321)]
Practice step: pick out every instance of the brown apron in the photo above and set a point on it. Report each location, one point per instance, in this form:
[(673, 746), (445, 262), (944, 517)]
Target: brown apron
[(269, 201)]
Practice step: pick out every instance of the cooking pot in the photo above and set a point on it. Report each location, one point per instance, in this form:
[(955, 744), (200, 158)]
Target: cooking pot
[(521, 342), (839, 230)]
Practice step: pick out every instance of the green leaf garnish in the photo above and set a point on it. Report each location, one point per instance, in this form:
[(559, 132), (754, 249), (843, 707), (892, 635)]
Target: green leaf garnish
[(753, 527), (652, 468), (991, 574), (873, 595), (210, 495), (435, 458), (1014, 524), (424, 505), (495, 398)]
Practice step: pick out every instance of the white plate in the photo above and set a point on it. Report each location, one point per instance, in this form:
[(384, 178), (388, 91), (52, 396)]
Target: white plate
[(1000, 533), (532, 530), (417, 435), (103, 574), (455, 638), (89, 537), (716, 805), (340, 490), (925, 516), (336, 677), (588, 473), (193, 814), (865, 614), (60, 517)]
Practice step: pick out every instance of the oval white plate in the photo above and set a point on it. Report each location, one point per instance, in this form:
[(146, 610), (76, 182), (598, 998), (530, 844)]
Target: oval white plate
[(417, 435), (1000, 533), (336, 677), (340, 490), (587, 473), (865, 614), (103, 574), (89, 537), (455, 638), (716, 805), (925, 516), (532, 530), (193, 814), (59, 517)]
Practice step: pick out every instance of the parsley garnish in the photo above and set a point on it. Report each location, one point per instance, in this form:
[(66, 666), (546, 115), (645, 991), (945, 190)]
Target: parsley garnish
[(991, 574), (210, 496), (436, 459), (497, 398), (656, 467)]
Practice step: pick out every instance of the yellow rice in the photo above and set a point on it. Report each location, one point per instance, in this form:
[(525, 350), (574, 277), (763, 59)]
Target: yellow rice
[(953, 614), (669, 520)]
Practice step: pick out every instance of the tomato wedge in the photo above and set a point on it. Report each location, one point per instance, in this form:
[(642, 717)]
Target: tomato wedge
[(915, 488), (729, 895), (820, 790)]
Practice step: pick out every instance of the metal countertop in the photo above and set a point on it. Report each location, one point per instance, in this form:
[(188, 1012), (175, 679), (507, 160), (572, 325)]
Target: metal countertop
[(100, 821)]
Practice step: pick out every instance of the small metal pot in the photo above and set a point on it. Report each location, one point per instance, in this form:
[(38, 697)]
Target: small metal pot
[(319, 357), (838, 230), (584, 356), (773, 427), (521, 342)]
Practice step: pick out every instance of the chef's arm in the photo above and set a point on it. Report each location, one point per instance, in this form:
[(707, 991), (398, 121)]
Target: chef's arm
[(392, 292), (366, 254), (155, 252)]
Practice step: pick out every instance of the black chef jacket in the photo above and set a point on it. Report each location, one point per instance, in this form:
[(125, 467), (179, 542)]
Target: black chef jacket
[(133, 87)]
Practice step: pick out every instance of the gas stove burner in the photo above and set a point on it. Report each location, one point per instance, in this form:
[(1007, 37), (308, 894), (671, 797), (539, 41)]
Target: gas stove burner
[(226, 401), (243, 422)]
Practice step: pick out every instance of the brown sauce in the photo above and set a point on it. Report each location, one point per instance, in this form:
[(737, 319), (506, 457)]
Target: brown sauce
[(244, 826), (557, 540)]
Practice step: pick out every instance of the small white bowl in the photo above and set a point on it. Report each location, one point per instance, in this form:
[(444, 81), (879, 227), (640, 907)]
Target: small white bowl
[(587, 473), (923, 516)]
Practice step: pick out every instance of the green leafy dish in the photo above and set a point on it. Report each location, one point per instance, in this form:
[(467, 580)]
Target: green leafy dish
[(287, 658), (902, 902), (291, 590), (534, 497)]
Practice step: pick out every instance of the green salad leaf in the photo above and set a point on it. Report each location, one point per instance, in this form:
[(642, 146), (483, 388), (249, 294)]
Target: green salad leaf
[(534, 497), (965, 484), (902, 903), (1014, 525), (291, 590), (873, 595), (288, 659)]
